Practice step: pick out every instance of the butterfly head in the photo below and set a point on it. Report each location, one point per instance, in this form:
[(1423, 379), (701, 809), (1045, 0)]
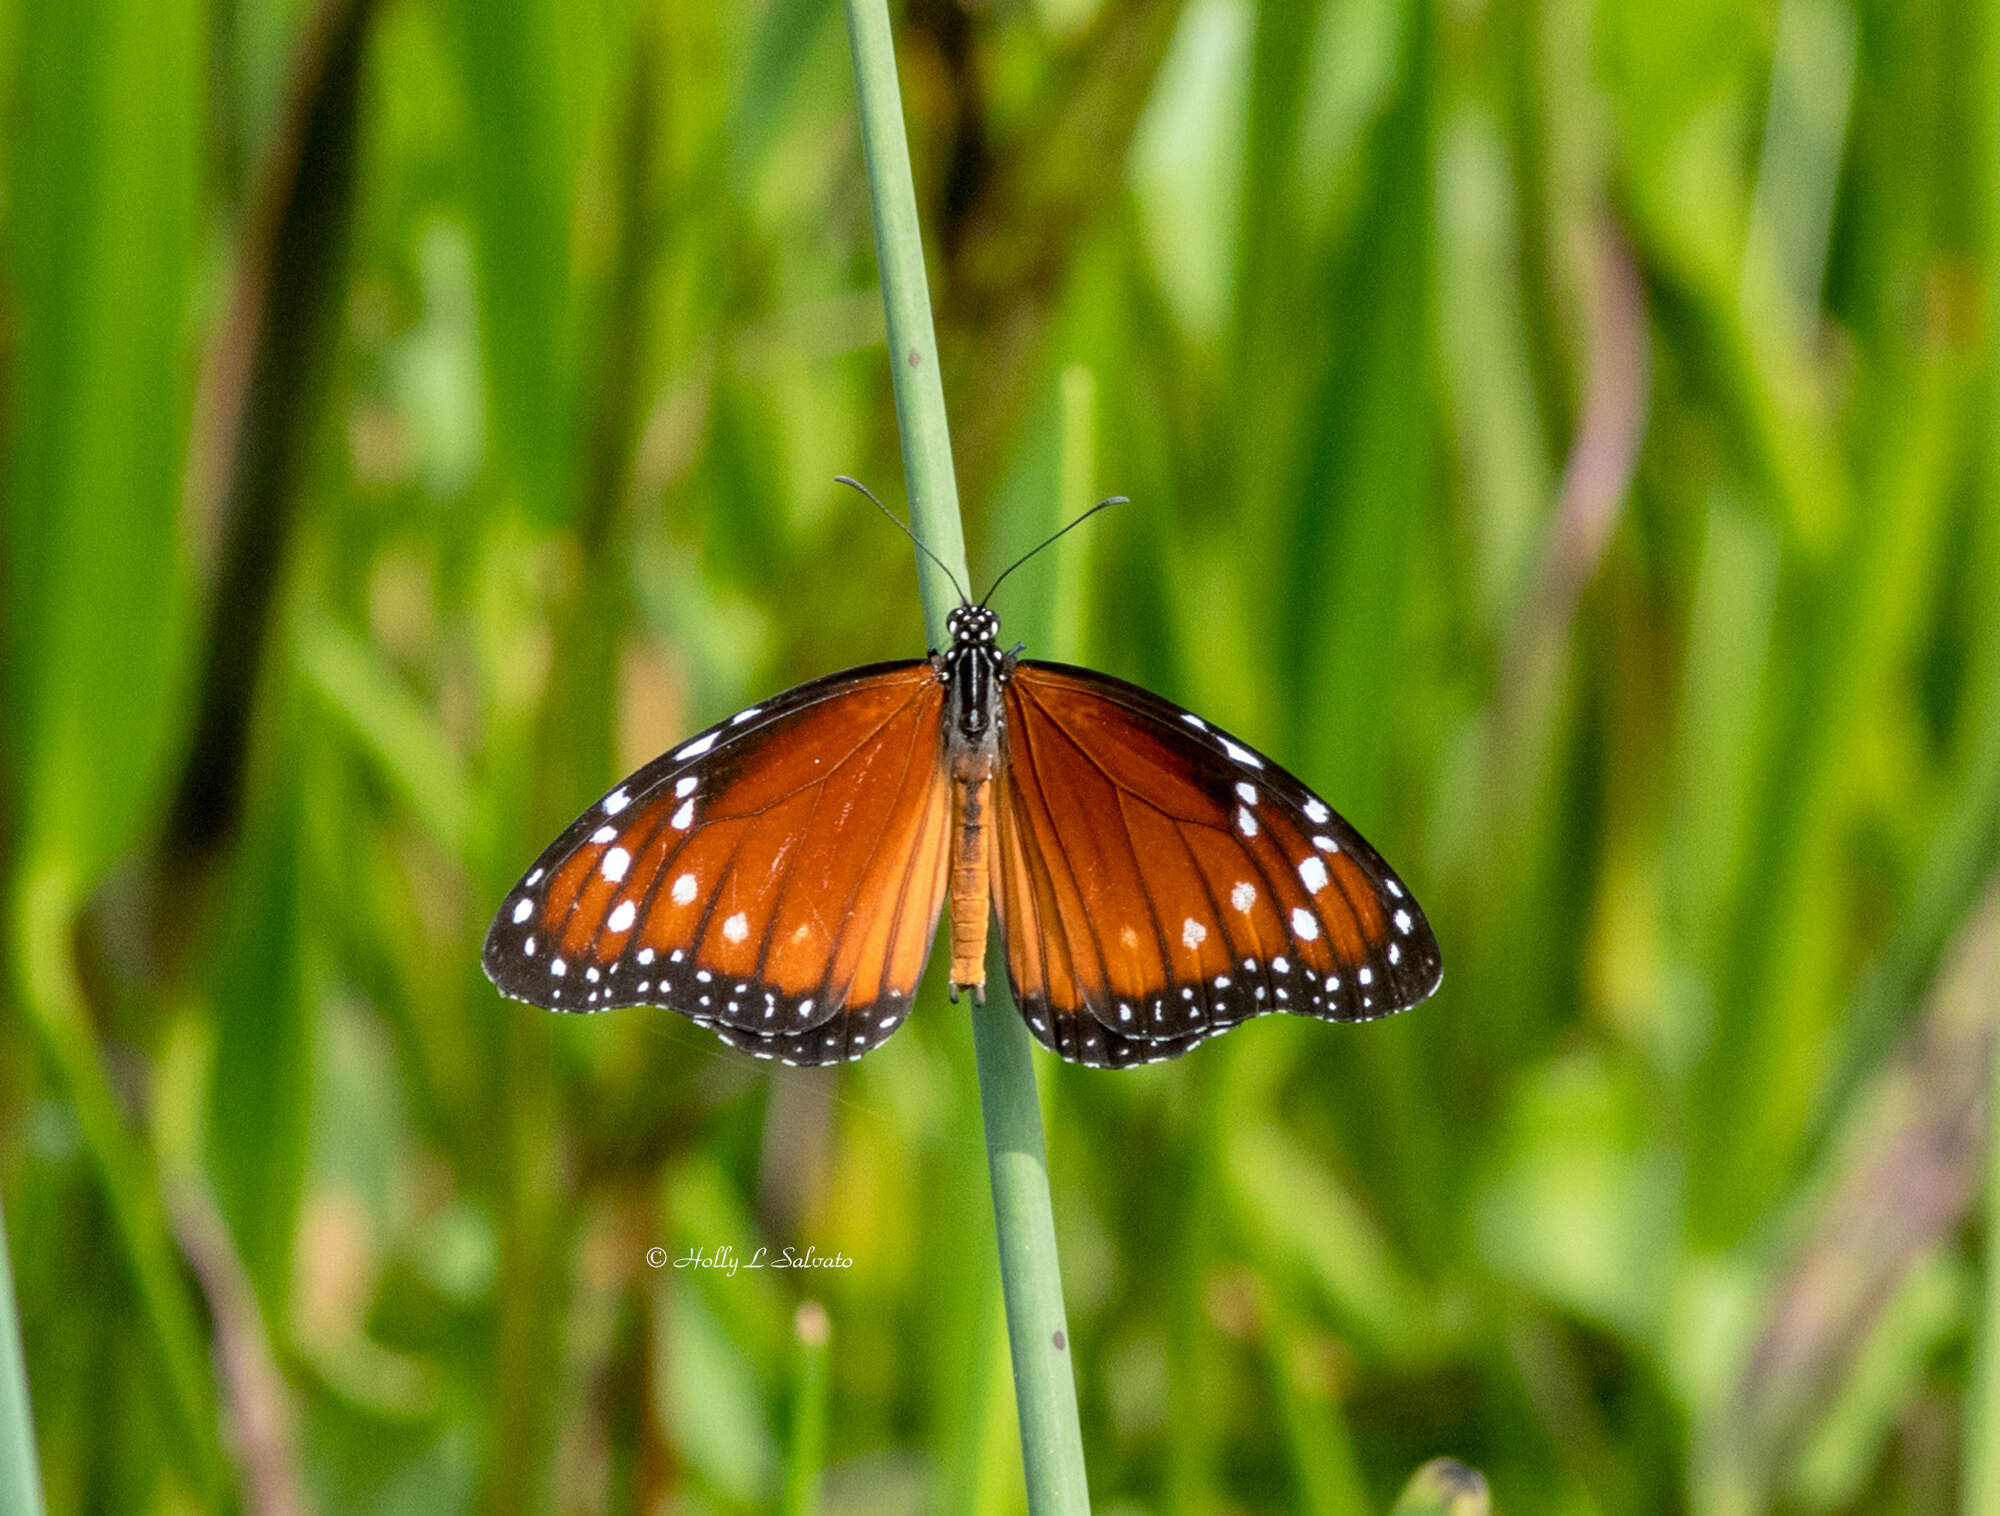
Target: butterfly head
[(972, 626)]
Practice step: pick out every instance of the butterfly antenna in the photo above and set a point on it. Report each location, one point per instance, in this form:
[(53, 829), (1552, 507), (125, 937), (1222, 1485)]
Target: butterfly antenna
[(856, 484), (1109, 500)]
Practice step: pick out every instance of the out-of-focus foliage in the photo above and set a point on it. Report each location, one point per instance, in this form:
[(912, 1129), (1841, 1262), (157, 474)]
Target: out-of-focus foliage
[(1566, 433)]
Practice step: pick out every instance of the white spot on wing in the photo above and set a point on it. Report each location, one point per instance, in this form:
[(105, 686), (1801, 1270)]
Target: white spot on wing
[(645, 955), (1241, 754), (1393, 888), (697, 747), (1303, 925), (1402, 921), (616, 801), (1193, 933), (1366, 976), (558, 967), (1247, 793), (621, 919), (1326, 844), (1313, 872), (684, 816), (683, 890), (742, 716), (530, 880), (616, 862), (686, 785), (604, 834), (737, 927), (1245, 822), (1317, 810), (1194, 721), (523, 909), (1243, 896)]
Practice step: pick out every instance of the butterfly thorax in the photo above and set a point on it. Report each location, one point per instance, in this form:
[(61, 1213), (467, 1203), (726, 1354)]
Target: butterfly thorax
[(973, 669)]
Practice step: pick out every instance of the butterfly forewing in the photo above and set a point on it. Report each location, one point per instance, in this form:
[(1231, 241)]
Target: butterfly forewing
[(778, 877), (1159, 881)]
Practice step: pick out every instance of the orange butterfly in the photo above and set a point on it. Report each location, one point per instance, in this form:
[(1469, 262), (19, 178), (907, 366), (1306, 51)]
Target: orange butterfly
[(779, 878)]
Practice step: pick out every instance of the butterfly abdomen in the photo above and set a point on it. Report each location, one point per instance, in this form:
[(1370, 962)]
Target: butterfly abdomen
[(971, 888)]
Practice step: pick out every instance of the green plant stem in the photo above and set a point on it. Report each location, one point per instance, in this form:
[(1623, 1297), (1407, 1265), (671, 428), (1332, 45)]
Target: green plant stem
[(906, 301), (20, 1486), (807, 1460), (1037, 1328)]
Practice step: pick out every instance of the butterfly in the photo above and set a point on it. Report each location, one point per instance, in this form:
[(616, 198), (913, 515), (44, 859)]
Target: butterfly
[(779, 877)]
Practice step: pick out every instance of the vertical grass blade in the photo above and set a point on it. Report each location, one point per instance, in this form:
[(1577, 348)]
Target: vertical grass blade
[(261, 394), (1038, 1330), (104, 191), (1982, 1400), (104, 181), (1974, 832), (20, 1484), (1326, 1471), (260, 1087), (1358, 515), (807, 1460), (520, 203), (1982, 1404), (41, 913), (261, 397), (1069, 577)]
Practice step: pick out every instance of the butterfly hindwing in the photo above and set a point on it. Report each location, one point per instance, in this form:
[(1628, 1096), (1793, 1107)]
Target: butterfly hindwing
[(778, 877), (1159, 881)]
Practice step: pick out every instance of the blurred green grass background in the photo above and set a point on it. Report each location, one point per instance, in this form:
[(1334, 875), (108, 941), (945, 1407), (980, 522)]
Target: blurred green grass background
[(1565, 433)]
